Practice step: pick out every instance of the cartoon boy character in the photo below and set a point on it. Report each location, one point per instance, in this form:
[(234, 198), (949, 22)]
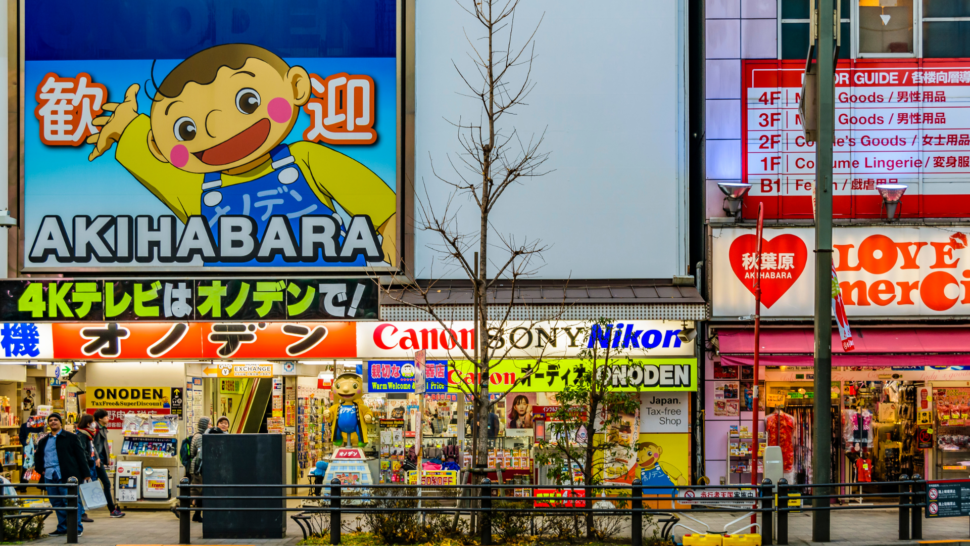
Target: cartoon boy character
[(656, 473), (350, 414), (213, 146)]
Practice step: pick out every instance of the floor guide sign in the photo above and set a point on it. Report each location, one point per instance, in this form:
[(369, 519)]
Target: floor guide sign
[(882, 271), (904, 122)]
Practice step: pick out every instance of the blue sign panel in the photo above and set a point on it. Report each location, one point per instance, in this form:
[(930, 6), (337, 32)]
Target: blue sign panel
[(398, 376)]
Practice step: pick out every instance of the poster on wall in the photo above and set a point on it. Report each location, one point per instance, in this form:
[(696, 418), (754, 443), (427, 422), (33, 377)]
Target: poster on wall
[(726, 402), (896, 122), (240, 141)]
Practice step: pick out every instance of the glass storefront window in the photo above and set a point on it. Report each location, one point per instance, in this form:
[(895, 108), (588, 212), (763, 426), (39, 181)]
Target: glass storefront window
[(886, 26)]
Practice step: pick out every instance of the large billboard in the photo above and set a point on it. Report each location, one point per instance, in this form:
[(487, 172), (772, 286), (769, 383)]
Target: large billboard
[(899, 121), (209, 135), (884, 271)]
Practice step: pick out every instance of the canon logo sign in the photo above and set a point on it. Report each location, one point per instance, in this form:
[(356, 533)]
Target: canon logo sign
[(520, 339)]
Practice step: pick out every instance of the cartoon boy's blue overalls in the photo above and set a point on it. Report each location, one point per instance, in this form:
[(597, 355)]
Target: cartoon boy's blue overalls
[(284, 191), (657, 477), (348, 422)]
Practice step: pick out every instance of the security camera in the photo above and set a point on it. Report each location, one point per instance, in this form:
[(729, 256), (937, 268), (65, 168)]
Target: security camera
[(687, 335)]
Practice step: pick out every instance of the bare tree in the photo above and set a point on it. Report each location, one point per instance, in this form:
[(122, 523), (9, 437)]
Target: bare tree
[(492, 158)]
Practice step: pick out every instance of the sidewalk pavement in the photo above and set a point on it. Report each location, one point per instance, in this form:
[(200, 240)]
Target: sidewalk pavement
[(870, 527)]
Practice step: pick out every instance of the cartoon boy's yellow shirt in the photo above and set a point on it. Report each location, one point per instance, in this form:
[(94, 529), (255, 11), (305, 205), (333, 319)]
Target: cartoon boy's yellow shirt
[(332, 177)]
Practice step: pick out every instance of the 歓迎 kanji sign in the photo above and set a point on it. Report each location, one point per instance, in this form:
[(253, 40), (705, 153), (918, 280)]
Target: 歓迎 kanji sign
[(187, 300), (302, 173)]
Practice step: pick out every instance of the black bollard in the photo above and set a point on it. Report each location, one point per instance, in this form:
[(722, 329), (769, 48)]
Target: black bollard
[(636, 524), (72, 517), (903, 509), (782, 509), (486, 517), (766, 517), (185, 506), (335, 511), (918, 497)]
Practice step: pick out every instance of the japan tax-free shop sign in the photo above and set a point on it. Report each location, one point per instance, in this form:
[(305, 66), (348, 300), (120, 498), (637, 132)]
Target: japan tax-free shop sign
[(883, 271), (205, 134)]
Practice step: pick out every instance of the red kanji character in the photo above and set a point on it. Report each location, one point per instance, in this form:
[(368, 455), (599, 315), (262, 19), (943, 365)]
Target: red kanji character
[(938, 162), (902, 97), (386, 371), (914, 96), (951, 140), (914, 117), (963, 162), (940, 96), (940, 118), (343, 113), (951, 162), (927, 140), (66, 108), (856, 184), (964, 140), (870, 184), (939, 140), (903, 118), (927, 96)]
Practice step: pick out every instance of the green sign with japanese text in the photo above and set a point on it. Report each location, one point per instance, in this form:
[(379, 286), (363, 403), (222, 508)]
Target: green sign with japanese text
[(121, 300)]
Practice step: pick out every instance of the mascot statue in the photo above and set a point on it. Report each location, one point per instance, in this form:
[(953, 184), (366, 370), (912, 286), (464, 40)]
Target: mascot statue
[(348, 414)]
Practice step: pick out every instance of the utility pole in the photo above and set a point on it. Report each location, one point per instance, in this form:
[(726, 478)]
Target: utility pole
[(827, 20)]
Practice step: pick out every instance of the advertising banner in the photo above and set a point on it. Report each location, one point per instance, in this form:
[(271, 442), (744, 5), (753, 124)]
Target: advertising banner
[(523, 339), (256, 135), (902, 121), (180, 340), (882, 271), (656, 374), (399, 375), (187, 300), (130, 397)]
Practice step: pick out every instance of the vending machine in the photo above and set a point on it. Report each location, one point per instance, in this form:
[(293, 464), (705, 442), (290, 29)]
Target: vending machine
[(128, 481), (155, 483)]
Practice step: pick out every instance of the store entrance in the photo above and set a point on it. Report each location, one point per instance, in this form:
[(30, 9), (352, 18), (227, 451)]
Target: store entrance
[(874, 432)]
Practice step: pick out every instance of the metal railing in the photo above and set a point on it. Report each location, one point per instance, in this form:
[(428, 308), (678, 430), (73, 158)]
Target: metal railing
[(768, 501), (73, 502)]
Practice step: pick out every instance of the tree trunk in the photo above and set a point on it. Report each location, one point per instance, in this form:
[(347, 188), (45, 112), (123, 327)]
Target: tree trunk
[(594, 403)]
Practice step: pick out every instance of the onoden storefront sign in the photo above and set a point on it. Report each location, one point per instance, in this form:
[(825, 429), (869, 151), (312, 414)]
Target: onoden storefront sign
[(883, 271)]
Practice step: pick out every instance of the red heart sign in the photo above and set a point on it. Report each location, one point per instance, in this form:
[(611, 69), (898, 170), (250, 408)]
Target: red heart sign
[(783, 260)]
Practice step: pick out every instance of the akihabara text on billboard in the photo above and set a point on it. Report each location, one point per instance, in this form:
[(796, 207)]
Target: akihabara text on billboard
[(904, 122), (882, 270), (215, 148)]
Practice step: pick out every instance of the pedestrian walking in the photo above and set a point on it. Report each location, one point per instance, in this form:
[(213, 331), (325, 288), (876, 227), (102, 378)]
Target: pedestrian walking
[(59, 457), (101, 448), (86, 430), (195, 465)]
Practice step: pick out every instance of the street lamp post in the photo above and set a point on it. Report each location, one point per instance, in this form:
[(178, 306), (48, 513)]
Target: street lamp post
[(827, 23)]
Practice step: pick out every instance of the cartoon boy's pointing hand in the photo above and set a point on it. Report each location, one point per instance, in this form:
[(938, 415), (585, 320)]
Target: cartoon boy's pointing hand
[(214, 138)]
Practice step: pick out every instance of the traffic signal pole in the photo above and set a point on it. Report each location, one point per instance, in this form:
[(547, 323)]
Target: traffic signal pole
[(822, 434)]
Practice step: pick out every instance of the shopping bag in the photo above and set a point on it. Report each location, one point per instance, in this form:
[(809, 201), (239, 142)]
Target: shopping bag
[(92, 495)]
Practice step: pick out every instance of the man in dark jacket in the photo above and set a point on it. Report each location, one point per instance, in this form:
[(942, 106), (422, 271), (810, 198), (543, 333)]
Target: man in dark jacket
[(101, 448), (59, 457)]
